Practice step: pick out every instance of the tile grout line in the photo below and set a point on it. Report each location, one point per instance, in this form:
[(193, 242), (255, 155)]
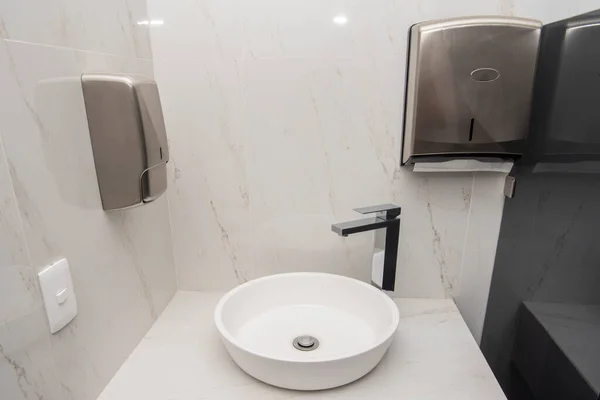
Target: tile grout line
[(175, 262), (76, 49)]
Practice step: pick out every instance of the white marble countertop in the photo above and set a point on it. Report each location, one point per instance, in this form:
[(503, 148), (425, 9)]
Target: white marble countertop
[(433, 356)]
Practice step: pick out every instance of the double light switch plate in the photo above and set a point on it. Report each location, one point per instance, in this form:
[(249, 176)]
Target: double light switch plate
[(59, 298)]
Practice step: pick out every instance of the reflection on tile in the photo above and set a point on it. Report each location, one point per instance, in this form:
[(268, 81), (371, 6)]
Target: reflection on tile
[(109, 26), (121, 262), (357, 28), (301, 29), (574, 330)]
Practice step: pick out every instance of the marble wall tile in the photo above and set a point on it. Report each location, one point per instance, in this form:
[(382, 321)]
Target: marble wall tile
[(202, 104), (327, 125), (480, 249), (345, 28), (13, 249), (269, 148), (204, 29), (549, 10), (432, 233), (208, 188), (27, 367), (26, 360), (281, 120), (121, 262), (109, 26), (311, 158), (547, 252)]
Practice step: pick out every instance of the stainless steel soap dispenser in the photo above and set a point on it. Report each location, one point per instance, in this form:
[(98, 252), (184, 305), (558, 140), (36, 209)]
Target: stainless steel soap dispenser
[(128, 138), (469, 88)]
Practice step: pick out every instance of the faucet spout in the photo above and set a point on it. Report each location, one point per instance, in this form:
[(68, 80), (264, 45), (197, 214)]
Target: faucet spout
[(359, 225), (386, 219)]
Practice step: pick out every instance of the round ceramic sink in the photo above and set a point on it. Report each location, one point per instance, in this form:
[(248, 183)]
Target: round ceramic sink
[(306, 331)]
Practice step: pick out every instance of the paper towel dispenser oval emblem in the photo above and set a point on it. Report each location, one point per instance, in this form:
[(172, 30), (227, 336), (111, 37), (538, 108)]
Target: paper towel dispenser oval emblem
[(485, 74)]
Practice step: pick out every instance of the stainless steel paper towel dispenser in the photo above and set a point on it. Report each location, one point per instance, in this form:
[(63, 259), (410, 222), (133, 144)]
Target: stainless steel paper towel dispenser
[(469, 88), (128, 138)]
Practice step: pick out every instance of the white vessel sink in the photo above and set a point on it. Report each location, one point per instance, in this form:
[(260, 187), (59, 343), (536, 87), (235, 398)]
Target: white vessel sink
[(306, 331)]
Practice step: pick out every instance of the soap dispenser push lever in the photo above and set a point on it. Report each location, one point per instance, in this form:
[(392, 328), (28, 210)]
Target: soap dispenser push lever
[(386, 225)]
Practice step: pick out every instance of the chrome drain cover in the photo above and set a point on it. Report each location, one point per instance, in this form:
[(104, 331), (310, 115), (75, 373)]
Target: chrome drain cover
[(306, 343)]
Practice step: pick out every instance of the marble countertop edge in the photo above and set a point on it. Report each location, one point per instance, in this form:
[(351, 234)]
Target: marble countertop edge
[(182, 358)]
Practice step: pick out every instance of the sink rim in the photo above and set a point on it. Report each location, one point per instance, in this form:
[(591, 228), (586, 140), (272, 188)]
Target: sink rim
[(385, 335)]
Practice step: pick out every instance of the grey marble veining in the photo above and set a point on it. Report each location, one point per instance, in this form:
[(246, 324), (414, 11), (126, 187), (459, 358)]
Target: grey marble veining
[(479, 249), (547, 252), (122, 263), (13, 249), (26, 360), (27, 368), (285, 121), (281, 147), (329, 97)]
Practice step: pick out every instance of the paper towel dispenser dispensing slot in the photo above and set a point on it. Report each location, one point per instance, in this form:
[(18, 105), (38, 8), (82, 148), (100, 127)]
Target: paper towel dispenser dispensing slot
[(469, 88), (128, 137)]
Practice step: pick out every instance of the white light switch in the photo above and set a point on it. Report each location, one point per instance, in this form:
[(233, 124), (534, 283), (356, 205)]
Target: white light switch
[(59, 297)]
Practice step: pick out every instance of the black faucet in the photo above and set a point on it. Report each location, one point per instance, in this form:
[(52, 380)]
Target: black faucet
[(386, 218)]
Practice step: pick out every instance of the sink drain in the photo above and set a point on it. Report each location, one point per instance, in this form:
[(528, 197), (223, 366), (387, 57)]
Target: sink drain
[(306, 343)]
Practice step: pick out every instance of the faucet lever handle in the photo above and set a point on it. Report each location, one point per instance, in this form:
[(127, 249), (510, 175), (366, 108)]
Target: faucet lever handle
[(386, 211)]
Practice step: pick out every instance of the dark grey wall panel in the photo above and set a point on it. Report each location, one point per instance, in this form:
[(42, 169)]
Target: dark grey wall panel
[(548, 250), (555, 351), (549, 243)]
